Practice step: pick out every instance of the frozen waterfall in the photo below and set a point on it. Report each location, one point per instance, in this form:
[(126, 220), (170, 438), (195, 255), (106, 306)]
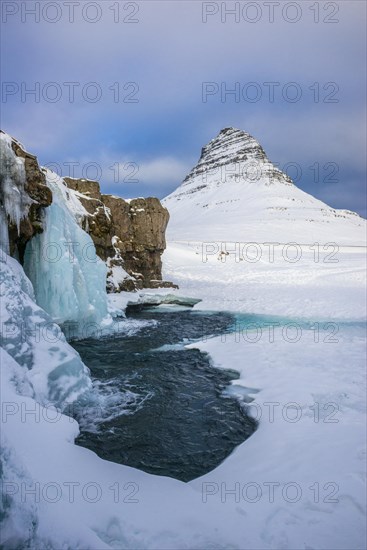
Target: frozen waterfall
[(69, 280)]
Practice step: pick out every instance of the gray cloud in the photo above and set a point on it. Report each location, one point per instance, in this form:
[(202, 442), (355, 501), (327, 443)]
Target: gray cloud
[(169, 54)]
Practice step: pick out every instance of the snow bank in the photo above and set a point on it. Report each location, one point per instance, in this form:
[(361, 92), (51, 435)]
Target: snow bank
[(313, 287), (293, 484), (299, 481), (52, 371)]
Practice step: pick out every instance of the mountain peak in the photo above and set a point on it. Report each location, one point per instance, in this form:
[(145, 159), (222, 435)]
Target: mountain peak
[(231, 146), (232, 133), (230, 129), (235, 193)]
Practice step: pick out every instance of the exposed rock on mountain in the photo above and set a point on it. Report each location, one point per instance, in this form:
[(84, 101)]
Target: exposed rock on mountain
[(234, 153), (235, 194)]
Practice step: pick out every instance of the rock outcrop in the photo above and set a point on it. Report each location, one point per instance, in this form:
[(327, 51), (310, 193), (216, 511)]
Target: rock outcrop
[(98, 222), (128, 235), (140, 226)]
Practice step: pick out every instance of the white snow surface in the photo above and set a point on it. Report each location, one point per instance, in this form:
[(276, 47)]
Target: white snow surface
[(326, 284)]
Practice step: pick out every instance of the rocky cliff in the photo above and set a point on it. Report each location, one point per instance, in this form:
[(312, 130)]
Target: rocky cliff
[(129, 235), (24, 215)]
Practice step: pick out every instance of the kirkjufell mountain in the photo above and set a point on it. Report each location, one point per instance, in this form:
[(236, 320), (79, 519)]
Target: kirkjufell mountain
[(235, 193)]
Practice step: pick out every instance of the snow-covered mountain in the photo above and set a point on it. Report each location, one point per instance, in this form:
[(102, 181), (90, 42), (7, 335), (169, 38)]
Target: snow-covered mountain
[(235, 193)]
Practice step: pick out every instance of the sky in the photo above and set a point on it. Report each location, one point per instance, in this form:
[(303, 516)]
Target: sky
[(129, 92)]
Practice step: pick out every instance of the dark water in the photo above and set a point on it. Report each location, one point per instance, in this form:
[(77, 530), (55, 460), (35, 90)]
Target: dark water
[(163, 411)]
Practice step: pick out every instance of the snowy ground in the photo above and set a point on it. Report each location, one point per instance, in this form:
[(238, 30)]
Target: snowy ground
[(297, 483), (308, 386), (310, 445), (326, 283)]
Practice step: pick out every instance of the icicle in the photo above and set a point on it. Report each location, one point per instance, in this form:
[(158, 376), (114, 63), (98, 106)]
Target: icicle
[(4, 232), (14, 198)]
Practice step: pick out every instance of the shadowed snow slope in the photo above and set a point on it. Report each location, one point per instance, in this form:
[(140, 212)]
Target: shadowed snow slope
[(235, 193)]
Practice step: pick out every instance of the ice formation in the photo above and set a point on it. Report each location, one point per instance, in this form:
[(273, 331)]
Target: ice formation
[(69, 279), (15, 200), (4, 234)]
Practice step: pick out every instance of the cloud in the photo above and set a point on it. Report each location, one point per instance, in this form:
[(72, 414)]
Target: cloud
[(127, 178), (163, 171), (169, 54)]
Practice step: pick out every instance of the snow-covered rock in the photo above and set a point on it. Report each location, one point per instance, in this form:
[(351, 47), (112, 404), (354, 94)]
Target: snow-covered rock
[(128, 234), (236, 194)]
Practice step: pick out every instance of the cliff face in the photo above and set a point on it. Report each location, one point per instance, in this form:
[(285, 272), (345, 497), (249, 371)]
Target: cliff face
[(128, 235), (139, 226), (97, 222), (31, 183)]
